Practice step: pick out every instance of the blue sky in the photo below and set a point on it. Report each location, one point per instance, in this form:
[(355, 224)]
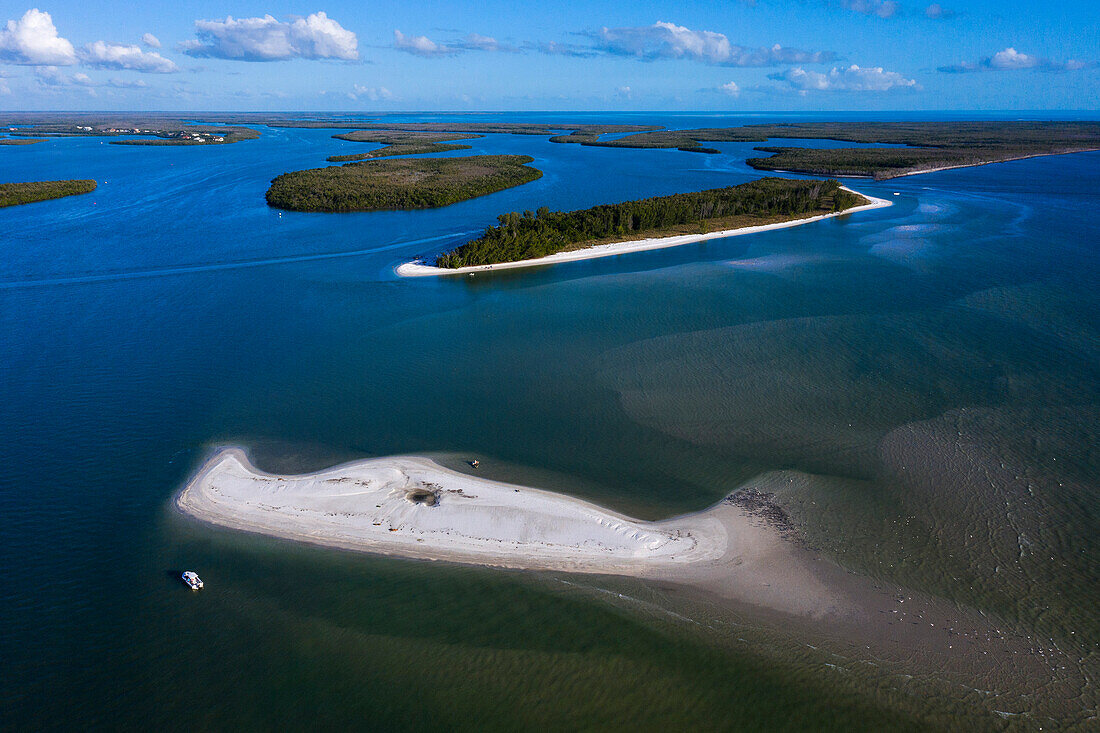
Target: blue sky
[(722, 55)]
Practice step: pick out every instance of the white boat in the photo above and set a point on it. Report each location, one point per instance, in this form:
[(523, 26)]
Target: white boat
[(194, 582)]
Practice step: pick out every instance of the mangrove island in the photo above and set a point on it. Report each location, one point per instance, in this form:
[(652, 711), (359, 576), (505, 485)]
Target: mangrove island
[(29, 192), (533, 235), (399, 183)]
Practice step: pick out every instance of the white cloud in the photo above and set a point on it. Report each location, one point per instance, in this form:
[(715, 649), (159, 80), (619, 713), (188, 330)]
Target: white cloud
[(669, 41), (374, 94), (730, 88), (266, 39), (32, 40), (4, 88), (478, 42), (881, 8), (150, 40), (935, 11), (850, 79), (1012, 60), (118, 56), (51, 76), (421, 46), (426, 47)]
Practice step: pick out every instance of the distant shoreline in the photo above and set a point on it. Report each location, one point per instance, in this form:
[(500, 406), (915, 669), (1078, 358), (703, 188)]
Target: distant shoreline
[(990, 162), (415, 269)]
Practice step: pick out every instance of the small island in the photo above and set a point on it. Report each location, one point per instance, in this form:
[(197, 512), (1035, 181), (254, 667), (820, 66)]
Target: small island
[(144, 129), (29, 192), (399, 183), (190, 135), (21, 140), (400, 143), (545, 237)]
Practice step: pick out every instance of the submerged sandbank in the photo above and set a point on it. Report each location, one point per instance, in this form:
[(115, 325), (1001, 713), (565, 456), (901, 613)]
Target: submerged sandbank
[(415, 269)]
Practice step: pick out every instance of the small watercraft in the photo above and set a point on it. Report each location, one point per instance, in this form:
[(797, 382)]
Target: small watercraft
[(192, 579)]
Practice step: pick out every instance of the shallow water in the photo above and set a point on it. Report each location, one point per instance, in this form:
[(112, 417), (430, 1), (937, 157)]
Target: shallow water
[(918, 385)]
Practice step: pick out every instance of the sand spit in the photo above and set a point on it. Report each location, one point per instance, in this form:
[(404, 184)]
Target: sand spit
[(410, 506), (413, 507), (736, 554), (415, 269)]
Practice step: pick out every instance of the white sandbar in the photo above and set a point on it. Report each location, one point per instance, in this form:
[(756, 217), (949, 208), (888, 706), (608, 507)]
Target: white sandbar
[(415, 269), (366, 506)]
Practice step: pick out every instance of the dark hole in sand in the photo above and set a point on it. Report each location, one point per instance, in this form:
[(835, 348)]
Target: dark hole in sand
[(422, 496)]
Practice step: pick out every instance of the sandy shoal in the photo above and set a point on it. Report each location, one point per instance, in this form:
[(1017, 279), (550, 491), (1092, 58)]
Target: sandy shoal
[(366, 506), (416, 269), (726, 554)]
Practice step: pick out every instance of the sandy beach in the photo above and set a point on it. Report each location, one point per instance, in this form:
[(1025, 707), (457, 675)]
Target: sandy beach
[(416, 269), (410, 506)]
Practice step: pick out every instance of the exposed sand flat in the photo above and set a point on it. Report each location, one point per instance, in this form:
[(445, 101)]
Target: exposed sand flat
[(368, 506), (415, 269), (373, 505)]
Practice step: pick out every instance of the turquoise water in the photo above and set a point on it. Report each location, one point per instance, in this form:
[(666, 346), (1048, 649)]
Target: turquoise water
[(927, 373)]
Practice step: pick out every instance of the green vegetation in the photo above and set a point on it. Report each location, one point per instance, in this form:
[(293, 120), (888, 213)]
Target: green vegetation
[(165, 130), (21, 140), (531, 235), (194, 135), (400, 143), (13, 194), (880, 163), (399, 183), (513, 128), (933, 144)]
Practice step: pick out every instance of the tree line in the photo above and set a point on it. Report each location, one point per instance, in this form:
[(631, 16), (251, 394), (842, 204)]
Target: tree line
[(537, 234)]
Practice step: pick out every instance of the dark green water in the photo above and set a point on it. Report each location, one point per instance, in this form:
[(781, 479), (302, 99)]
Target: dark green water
[(918, 385)]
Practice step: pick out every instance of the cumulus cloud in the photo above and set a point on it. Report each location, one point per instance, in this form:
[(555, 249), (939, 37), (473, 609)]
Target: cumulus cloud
[(150, 40), (730, 88), (51, 76), (427, 48), (1009, 60), (119, 56), (669, 41), (476, 42), (881, 8), (266, 39), (421, 46), (33, 40), (935, 11), (849, 79), (374, 94)]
